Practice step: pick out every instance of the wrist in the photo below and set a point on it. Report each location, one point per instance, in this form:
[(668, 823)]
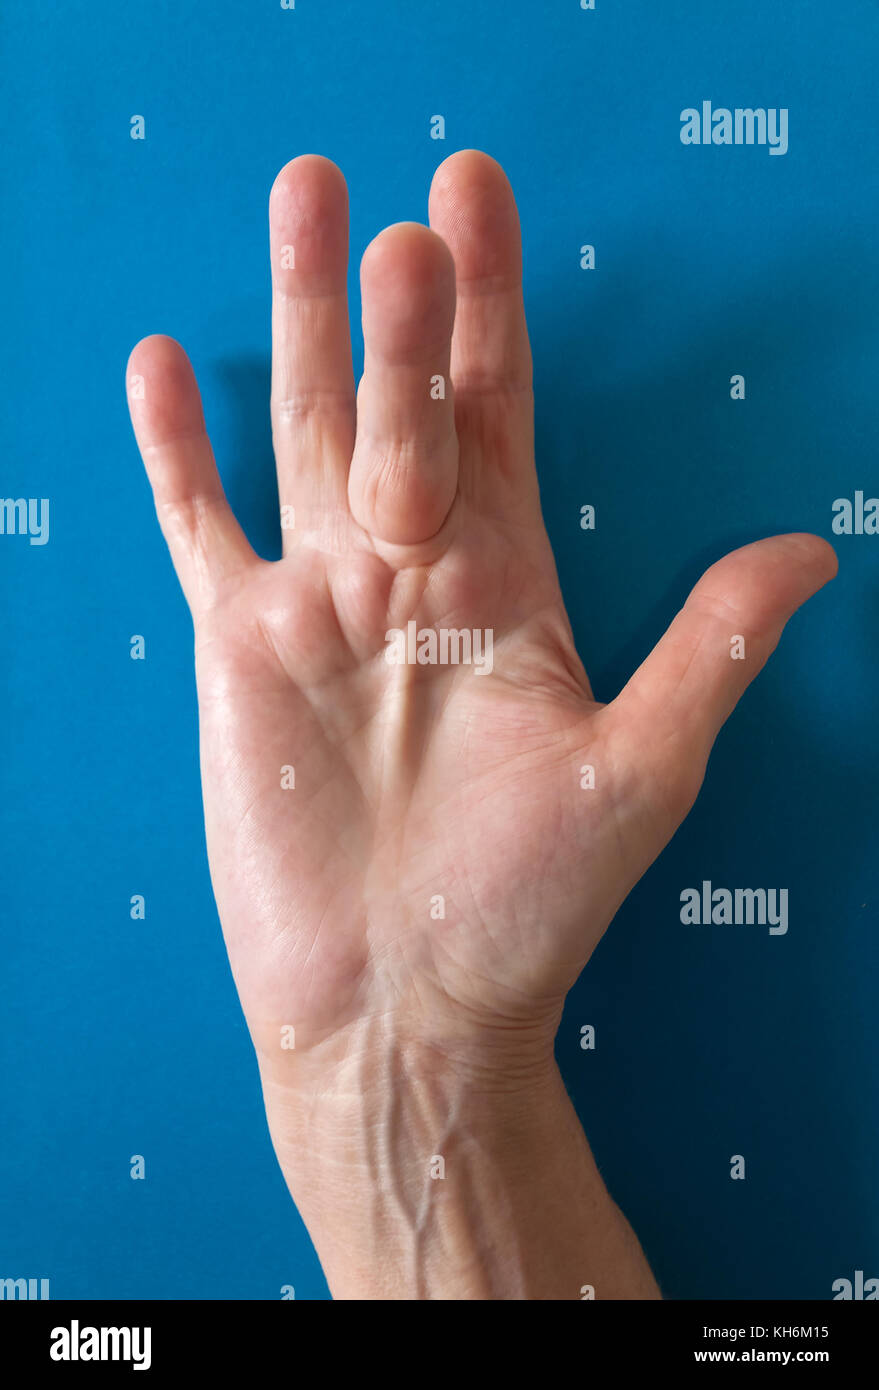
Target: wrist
[(446, 1172)]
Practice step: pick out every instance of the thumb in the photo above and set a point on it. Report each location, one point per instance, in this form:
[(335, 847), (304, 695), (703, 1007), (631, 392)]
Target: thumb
[(684, 691)]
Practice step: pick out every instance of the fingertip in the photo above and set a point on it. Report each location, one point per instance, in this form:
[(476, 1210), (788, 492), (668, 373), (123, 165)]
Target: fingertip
[(406, 250), (816, 554), (470, 167), (153, 353), (473, 207), (308, 226), (163, 395), (771, 578), (408, 293), (307, 175)]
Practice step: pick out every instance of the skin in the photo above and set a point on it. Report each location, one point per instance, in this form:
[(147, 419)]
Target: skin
[(418, 1036)]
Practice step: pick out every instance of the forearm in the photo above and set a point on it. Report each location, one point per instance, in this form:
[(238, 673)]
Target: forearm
[(422, 1179)]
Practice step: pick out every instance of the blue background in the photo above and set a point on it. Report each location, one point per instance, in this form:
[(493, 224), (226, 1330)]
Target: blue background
[(124, 1037)]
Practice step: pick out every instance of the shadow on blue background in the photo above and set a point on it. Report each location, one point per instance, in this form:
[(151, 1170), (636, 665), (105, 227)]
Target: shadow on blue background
[(125, 1037)]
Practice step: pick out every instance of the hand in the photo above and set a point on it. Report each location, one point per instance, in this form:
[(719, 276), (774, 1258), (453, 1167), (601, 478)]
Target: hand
[(436, 880)]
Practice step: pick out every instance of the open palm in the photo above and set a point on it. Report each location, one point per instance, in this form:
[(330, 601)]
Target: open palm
[(435, 844)]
